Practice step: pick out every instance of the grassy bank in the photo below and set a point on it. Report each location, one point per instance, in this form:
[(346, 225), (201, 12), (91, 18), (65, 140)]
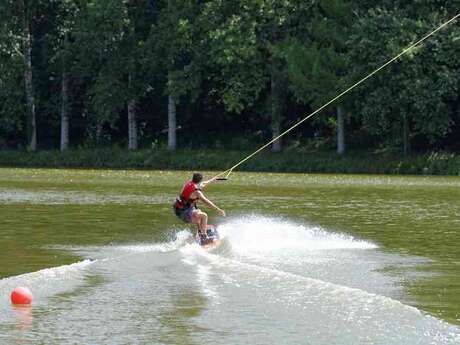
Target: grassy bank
[(288, 161)]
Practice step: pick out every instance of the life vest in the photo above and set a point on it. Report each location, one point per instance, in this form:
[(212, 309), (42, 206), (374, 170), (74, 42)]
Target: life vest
[(184, 200)]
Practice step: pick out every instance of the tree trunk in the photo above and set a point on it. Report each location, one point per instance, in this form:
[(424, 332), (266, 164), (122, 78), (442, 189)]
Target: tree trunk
[(276, 131), (132, 122), (172, 139), (275, 111), (406, 140), (132, 125), (99, 130), (340, 130), (28, 82), (64, 112)]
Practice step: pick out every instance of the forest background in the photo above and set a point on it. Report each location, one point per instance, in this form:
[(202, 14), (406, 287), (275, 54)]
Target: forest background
[(199, 83)]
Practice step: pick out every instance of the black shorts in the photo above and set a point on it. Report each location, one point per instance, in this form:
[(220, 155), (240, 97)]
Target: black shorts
[(188, 214)]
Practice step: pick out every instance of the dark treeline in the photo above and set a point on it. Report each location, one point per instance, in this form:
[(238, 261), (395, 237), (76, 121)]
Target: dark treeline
[(227, 74)]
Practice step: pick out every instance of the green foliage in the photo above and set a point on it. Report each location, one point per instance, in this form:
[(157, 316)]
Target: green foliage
[(235, 53), (12, 107), (175, 50), (419, 86), (235, 68), (295, 160)]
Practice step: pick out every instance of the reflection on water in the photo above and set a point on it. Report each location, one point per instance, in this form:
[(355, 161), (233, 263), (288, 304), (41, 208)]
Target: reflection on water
[(22, 324), (23, 317), (177, 320)]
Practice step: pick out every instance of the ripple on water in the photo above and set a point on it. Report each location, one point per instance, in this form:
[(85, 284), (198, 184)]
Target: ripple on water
[(16, 196)]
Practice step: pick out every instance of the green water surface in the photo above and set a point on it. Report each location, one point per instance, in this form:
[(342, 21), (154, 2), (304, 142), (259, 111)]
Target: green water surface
[(41, 210)]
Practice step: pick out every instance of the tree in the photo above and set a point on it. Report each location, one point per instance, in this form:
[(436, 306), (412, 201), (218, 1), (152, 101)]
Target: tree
[(317, 62), (67, 14), (111, 37), (17, 31), (245, 37), (25, 12), (141, 15), (99, 71), (176, 48), (12, 110), (411, 97), (98, 36)]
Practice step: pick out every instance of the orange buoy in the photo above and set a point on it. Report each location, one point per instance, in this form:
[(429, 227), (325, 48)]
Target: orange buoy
[(21, 295)]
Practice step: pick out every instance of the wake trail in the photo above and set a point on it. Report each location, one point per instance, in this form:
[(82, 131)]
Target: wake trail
[(257, 234), (343, 307)]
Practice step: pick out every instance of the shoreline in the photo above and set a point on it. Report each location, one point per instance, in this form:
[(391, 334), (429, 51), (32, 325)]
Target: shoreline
[(288, 161)]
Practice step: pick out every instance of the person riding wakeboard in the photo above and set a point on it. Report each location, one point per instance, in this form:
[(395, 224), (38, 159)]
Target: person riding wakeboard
[(186, 208)]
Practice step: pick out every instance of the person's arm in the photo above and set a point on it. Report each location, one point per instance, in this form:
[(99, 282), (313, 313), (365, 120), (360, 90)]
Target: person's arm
[(204, 183), (210, 203)]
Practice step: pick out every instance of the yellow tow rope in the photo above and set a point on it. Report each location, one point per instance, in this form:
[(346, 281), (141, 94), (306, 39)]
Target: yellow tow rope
[(405, 51)]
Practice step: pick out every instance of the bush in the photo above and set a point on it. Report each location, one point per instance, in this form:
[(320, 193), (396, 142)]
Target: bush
[(295, 160)]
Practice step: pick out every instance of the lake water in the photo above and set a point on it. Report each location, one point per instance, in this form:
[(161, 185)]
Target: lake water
[(305, 259)]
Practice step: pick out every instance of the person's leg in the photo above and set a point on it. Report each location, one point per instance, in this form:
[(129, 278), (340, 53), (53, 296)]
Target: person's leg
[(201, 219), (203, 224)]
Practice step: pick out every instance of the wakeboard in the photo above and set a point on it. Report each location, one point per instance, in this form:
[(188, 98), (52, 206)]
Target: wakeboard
[(210, 240)]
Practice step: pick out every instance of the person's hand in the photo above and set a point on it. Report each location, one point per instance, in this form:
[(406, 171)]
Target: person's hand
[(221, 212)]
